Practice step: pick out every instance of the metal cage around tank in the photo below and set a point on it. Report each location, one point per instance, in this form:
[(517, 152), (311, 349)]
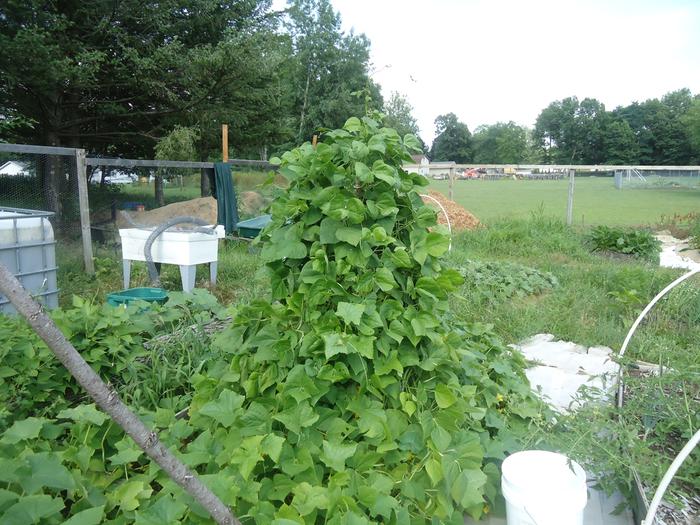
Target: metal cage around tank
[(27, 248)]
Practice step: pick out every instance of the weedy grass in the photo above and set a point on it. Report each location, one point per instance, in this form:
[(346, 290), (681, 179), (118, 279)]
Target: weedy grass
[(594, 303), (637, 243)]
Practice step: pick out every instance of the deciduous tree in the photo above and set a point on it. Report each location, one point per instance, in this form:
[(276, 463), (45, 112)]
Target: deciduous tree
[(452, 141), (500, 143)]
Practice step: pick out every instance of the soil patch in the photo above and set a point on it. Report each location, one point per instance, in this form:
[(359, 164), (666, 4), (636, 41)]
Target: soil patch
[(460, 219)]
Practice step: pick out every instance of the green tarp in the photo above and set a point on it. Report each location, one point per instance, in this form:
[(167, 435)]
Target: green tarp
[(225, 195)]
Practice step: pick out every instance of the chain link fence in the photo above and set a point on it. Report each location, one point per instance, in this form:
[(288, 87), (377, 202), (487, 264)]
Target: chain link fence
[(658, 179), (43, 180)]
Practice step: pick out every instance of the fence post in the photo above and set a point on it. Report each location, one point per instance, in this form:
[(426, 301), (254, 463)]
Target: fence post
[(224, 142), (570, 200), (452, 183), (618, 179), (81, 172)]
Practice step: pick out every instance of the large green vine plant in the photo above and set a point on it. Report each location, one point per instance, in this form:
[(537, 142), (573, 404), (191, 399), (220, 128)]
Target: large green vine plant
[(353, 397)]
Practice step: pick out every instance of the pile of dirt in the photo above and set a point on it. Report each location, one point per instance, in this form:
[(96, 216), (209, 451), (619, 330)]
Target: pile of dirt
[(460, 219), (249, 203)]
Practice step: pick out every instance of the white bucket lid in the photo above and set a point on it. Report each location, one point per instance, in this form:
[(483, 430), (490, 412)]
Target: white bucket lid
[(538, 475)]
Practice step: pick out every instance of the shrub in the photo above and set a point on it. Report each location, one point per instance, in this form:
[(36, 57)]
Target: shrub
[(502, 280), (638, 243)]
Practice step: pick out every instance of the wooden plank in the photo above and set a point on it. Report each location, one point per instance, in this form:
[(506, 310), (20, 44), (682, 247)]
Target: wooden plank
[(81, 167), (570, 199), (224, 142), (27, 148), (134, 163)]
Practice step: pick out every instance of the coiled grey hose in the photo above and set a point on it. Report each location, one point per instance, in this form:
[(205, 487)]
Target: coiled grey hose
[(152, 272)]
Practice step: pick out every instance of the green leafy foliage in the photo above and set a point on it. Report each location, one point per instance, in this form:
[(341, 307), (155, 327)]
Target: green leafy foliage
[(694, 233), (638, 243), (658, 418), (502, 280), (353, 396), (111, 340)]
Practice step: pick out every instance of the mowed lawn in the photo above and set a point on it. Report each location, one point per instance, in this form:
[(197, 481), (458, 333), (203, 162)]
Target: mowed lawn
[(596, 201)]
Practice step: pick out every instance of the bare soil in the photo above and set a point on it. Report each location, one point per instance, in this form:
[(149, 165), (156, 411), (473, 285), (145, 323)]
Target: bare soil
[(460, 219)]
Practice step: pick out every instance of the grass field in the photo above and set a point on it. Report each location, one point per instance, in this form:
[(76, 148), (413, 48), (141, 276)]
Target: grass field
[(596, 201)]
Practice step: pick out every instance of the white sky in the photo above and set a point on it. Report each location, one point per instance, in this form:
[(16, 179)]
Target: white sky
[(500, 60)]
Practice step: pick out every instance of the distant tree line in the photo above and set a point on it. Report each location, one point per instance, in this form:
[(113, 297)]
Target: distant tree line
[(662, 131)]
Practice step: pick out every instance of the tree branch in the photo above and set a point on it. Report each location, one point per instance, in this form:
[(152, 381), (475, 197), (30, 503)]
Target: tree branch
[(108, 400)]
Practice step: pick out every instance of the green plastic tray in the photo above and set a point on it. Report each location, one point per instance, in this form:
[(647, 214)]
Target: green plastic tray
[(251, 228), (151, 295)]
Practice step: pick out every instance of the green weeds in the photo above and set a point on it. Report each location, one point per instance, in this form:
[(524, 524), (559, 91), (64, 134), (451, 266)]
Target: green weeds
[(638, 243)]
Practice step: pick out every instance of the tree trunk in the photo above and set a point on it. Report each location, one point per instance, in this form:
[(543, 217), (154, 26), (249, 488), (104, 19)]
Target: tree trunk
[(51, 179), (263, 152), (108, 399), (160, 195), (105, 173), (204, 186), (303, 107)]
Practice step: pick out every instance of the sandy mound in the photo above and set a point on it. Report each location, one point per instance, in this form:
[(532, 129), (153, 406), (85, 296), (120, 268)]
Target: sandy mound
[(460, 219), (249, 203), (204, 208)]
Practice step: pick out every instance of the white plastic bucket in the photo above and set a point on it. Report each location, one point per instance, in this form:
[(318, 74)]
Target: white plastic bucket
[(543, 488)]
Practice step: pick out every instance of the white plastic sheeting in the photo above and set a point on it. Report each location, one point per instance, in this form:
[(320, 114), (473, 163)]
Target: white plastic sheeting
[(562, 367)]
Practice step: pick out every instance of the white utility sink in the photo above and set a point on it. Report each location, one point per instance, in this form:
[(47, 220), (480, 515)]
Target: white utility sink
[(186, 249)]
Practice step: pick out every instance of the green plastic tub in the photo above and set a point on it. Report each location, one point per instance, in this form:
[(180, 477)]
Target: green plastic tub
[(150, 295), (251, 228)]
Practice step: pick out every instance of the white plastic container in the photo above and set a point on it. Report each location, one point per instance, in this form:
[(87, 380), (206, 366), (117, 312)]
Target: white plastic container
[(172, 247), (543, 488), (27, 249), (183, 248)]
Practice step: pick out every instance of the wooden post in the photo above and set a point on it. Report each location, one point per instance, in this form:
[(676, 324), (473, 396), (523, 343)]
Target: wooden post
[(224, 142), (452, 183), (81, 172), (570, 200), (314, 141)]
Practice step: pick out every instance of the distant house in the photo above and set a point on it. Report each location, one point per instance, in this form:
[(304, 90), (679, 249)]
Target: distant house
[(114, 176), (13, 168), (419, 164), (442, 170)]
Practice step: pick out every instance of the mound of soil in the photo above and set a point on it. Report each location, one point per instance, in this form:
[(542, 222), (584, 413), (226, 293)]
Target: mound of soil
[(460, 219), (249, 203)]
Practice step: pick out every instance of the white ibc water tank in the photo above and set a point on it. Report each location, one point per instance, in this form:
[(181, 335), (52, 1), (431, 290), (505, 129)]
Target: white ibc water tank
[(27, 248)]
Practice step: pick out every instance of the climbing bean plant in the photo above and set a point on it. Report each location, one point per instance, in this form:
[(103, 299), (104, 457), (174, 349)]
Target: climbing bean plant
[(351, 396)]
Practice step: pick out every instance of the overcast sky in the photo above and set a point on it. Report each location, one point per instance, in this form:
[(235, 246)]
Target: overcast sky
[(500, 60)]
